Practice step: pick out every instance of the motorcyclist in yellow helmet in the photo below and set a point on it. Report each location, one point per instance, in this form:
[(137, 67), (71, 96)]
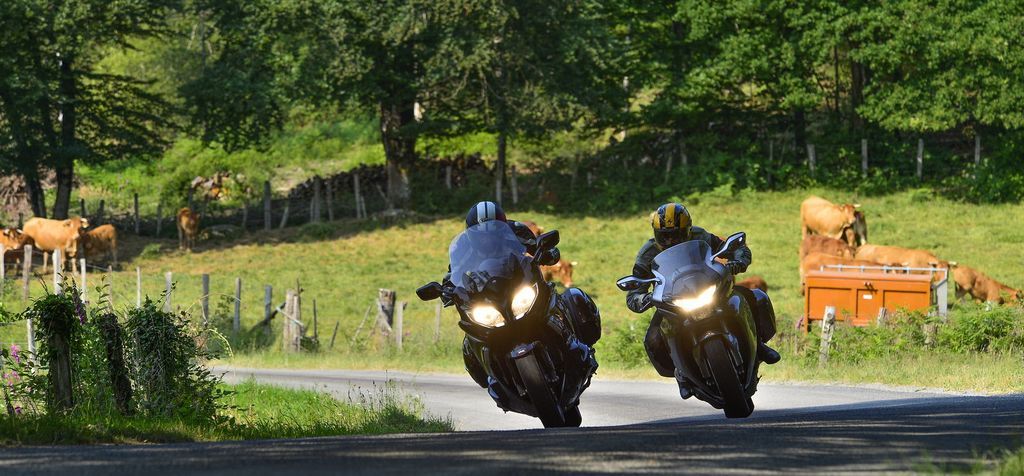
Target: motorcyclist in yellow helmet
[(672, 224)]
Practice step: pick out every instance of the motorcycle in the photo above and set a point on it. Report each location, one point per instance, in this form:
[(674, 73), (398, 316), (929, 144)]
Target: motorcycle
[(531, 341), (712, 332)]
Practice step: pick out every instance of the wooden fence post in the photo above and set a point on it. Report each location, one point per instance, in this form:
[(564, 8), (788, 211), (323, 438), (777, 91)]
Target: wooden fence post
[(21, 219), (286, 328), (236, 323), (358, 195), (113, 336), (330, 200), (590, 179), (266, 206), (110, 284), (437, 323), (828, 325), (314, 207), (399, 317), (930, 331), (159, 218), (137, 224), (167, 291), (385, 310), (26, 271), (864, 156), (138, 286), (316, 331), (515, 187), (977, 149), (448, 176), (3, 267), (920, 157), (81, 203), (268, 304), (883, 316), (46, 260), (85, 286), (58, 271), (335, 334), (205, 299), (811, 158), (30, 338), (99, 211), (284, 217)]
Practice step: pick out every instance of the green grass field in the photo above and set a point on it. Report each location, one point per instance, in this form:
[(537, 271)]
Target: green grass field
[(252, 411), (342, 264)]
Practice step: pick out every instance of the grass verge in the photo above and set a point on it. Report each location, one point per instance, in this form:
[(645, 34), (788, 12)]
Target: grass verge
[(254, 411)]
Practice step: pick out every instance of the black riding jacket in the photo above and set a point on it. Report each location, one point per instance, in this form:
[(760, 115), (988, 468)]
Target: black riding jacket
[(642, 268)]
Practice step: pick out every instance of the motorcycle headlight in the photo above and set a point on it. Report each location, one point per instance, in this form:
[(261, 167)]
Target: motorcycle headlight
[(702, 300), (523, 300), (486, 315)]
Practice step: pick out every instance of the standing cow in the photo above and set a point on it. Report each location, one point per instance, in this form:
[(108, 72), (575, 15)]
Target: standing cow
[(842, 222), (824, 244), (897, 256), (14, 242), (64, 235), (981, 287), (188, 228), (101, 241)]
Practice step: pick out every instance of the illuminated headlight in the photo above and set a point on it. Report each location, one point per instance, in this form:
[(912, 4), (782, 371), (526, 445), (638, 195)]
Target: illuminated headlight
[(702, 300), (486, 315), (523, 301)]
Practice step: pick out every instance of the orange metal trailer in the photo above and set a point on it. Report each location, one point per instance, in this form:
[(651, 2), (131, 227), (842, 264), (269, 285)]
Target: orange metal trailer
[(858, 293)]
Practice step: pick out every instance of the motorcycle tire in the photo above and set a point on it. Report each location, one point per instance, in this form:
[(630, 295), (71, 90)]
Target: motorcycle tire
[(548, 409), (573, 418), (737, 405)]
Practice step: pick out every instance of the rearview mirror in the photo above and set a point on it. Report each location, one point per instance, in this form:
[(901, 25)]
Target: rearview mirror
[(630, 283), (732, 243), (547, 241), (429, 291)]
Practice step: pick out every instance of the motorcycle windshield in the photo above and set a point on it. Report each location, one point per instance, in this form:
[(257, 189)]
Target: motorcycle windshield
[(485, 252), (686, 269)]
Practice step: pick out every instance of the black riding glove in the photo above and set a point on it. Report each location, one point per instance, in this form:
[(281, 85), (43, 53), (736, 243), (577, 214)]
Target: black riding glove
[(735, 267)]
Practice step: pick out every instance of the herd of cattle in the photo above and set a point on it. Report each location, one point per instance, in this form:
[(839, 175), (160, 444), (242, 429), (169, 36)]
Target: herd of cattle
[(74, 238), (837, 235)]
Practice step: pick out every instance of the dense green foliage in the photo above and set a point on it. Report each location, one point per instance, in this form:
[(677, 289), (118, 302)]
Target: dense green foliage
[(741, 87)]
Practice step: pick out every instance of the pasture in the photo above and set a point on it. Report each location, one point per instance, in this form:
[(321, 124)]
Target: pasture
[(343, 263)]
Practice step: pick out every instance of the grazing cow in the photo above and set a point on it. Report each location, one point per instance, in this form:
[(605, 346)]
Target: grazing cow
[(753, 282), (50, 235), (814, 262), (100, 241), (14, 242), (562, 271), (981, 287), (822, 217), (897, 256), (824, 244), (188, 228)]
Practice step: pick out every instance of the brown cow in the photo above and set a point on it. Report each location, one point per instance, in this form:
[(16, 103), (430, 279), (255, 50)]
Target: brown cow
[(824, 244), (753, 282), (50, 235), (561, 271), (14, 242), (822, 217), (981, 287), (100, 241), (897, 256), (815, 261), (188, 228), (535, 228)]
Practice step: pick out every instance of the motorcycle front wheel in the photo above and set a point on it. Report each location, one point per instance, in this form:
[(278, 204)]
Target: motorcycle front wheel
[(548, 409), (737, 405)]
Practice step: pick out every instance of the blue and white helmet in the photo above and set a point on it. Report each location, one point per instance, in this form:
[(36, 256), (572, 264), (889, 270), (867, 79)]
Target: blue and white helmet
[(484, 211)]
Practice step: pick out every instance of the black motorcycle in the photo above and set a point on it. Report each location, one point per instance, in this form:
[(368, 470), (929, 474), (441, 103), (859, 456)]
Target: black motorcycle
[(534, 344), (712, 332)]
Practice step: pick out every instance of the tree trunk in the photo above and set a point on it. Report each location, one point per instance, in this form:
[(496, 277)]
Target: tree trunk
[(399, 149), (858, 80), (65, 163), (35, 193)]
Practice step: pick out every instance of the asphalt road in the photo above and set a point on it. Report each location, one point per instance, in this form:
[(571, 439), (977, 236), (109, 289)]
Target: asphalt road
[(634, 427)]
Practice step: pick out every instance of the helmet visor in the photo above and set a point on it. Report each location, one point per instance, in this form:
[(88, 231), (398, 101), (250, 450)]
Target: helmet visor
[(668, 237)]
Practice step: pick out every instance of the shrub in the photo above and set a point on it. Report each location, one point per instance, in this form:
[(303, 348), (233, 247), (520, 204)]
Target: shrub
[(625, 344)]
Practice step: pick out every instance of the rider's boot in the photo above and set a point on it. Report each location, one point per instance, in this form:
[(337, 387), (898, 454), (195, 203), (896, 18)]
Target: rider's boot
[(767, 354)]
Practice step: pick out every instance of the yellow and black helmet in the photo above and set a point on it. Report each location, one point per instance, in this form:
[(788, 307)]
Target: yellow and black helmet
[(671, 224)]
